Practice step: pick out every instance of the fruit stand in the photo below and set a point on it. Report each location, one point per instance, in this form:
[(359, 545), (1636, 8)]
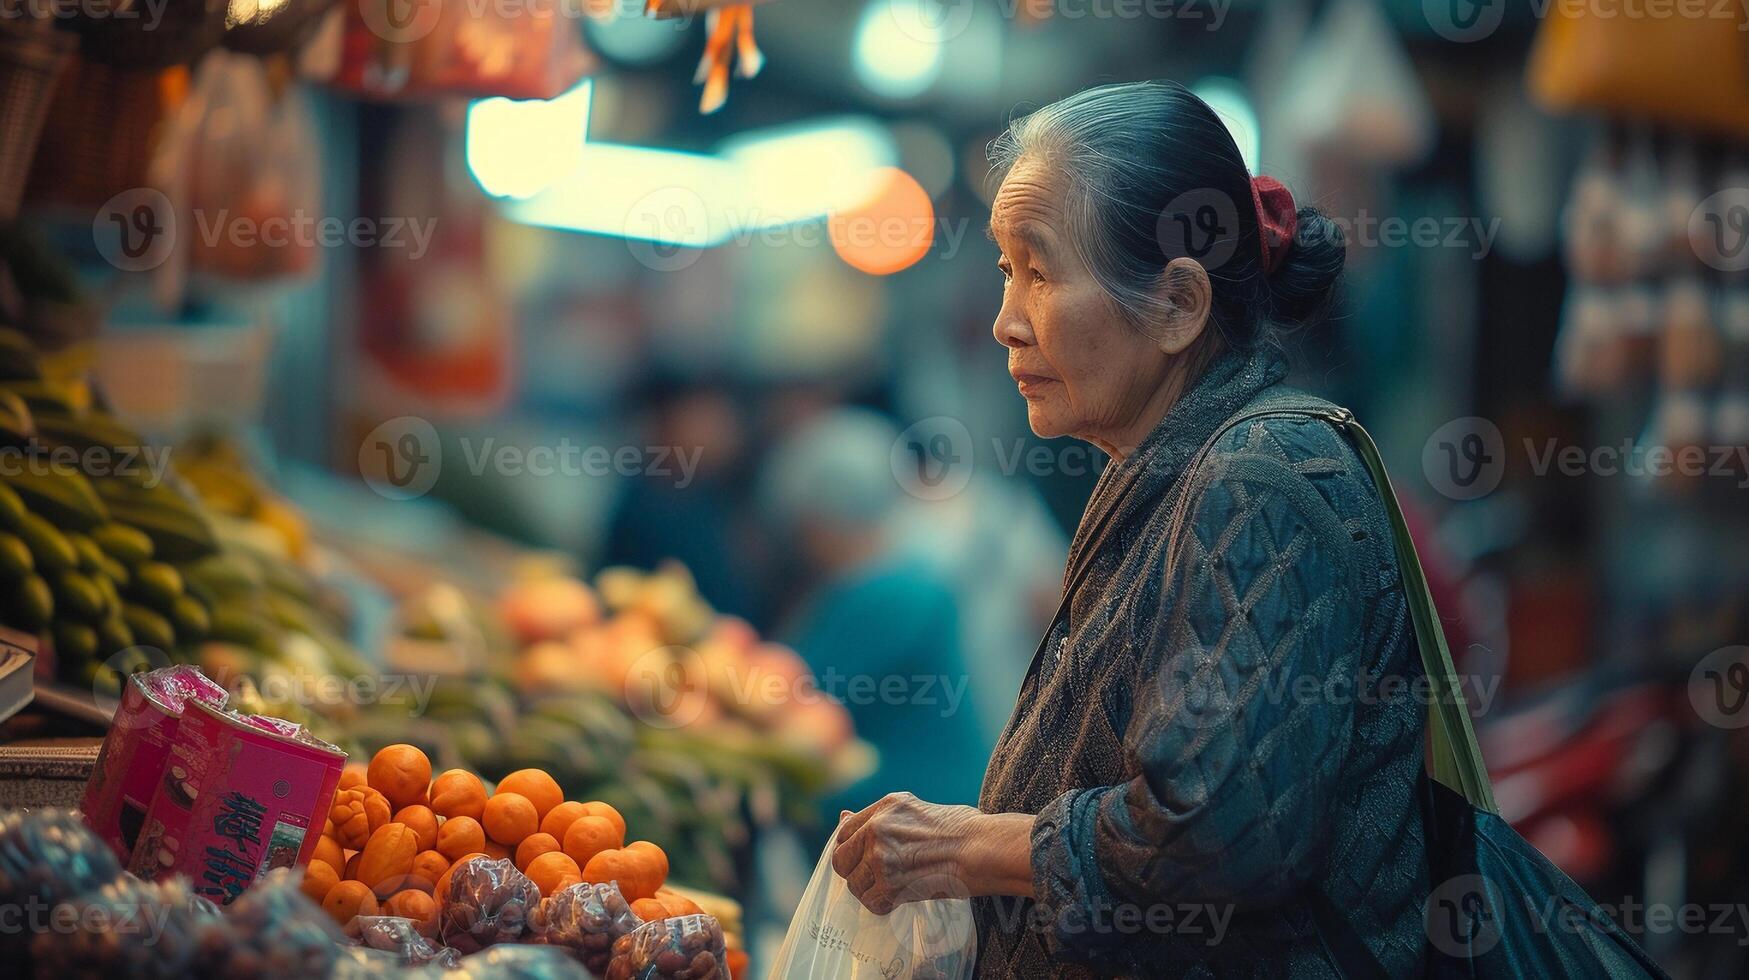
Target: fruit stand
[(525, 771)]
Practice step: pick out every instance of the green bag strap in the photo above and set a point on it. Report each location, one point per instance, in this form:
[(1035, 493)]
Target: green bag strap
[(1456, 759)]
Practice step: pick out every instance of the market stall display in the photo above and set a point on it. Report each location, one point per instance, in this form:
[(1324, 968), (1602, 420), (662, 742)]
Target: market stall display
[(472, 868)]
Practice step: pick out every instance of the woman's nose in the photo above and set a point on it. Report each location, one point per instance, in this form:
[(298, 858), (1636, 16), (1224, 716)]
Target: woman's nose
[(1010, 330)]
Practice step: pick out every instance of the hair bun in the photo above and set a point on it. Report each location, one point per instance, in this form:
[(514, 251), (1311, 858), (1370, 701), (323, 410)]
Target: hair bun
[(1303, 286)]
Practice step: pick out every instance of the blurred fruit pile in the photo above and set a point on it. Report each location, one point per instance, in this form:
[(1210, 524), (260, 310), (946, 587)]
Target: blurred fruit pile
[(636, 692), (652, 642), (109, 554), (108, 923), (449, 855)]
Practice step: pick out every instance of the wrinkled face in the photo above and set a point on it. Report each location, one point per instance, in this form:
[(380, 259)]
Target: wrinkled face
[(1083, 369)]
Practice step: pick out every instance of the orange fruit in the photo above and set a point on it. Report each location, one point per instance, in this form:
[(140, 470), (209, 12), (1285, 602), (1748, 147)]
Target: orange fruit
[(509, 818), (328, 826), (559, 818), (547, 870), (422, 822), (650, 909), (596, 808), (328, 850), (566, 881), (535, 786), (318, 878), (589, 836), (458, 793), (400, 772), (347, 899), (738, 961), (350, 872), (440, 891), (460, 835), (497, 851), (357, 813), (387, 859), (677, 904), (412, 904), (352, 775), (533, 846), (428, 866), (625, 868), (656, 861)]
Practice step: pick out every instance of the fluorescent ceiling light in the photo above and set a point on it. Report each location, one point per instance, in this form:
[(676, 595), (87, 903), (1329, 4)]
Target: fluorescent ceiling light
[(518, 147), (755, 181)]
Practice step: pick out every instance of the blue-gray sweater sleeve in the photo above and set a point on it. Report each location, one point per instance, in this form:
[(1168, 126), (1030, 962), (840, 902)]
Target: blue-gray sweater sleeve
[(1242, 718)]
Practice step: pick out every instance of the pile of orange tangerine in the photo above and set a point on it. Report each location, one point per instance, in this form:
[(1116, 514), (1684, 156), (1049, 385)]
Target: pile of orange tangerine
[(394, 835)]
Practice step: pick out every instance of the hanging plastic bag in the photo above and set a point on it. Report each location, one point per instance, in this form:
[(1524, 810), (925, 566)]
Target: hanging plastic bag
[(533, 52), (1354, 92), (833, 937), (241, 167)]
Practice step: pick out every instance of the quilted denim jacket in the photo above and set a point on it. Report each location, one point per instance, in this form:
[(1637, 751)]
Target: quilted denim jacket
[(1211, 744)]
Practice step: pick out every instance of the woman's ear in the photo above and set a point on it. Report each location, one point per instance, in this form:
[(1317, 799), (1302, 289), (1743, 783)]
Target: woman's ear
[(1185, 288)]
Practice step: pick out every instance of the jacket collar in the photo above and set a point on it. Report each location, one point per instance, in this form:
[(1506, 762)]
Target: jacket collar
[(1232, 380)]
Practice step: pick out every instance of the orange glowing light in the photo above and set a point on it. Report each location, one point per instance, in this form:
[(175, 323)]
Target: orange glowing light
[(890, 230)]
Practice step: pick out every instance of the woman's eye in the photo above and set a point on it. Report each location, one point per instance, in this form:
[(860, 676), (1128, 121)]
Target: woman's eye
[(1037, 276), (1006, 275)]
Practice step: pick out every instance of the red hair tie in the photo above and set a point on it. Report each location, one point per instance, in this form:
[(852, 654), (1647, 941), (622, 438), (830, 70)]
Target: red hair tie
[(1277, 217)]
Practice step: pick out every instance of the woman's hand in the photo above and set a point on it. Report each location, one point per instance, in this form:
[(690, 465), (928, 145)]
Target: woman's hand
[(902, 849)]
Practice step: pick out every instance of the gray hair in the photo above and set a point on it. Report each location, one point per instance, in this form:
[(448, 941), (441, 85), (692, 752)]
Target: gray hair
[(1127, 153)]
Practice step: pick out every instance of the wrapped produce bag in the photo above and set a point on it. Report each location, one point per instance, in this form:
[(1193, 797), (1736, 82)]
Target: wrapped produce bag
[(451, 48), (833, 937)]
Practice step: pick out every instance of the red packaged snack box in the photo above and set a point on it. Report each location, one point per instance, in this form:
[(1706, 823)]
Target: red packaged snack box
[(136, 750), (236, 800)]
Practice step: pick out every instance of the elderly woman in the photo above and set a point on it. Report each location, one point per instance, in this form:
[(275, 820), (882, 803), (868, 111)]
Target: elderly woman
[(1196, 779)]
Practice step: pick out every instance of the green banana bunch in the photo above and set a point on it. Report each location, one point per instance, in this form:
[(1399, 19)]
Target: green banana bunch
[(178, 528)]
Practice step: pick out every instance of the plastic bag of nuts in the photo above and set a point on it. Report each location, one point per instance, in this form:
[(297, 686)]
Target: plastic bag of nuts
[(47, 857), (687, 947), (585, 920), (488, 902), (398, 935), (271, 932), (364, 963), (128, 928), (513, 961)]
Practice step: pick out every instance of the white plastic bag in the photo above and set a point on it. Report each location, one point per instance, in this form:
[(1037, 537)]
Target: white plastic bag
[(833, 937)]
